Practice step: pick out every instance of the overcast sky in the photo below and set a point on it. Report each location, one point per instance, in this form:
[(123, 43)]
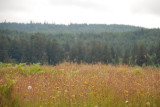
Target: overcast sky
[(145, 13)]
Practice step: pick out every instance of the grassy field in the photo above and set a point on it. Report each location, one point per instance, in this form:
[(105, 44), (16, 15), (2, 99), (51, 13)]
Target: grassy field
[(79, 85)]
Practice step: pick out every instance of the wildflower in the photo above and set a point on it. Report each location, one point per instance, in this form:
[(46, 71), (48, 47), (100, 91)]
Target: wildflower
[(65, 91), (44, 91), (126, 101), (11, 71), (148, 104), (29, 87), (92, 77), (138, 91), (67, 85), (57, 87), (85, 82), (148, 93), (73, 95), (72, 85), (125, 91)]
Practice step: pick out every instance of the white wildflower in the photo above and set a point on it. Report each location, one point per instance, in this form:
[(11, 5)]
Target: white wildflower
[(65, 91), (148, 104), (29, 87), (126, 102)]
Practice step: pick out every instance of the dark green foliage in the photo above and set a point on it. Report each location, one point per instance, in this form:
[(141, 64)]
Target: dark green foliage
[(105, 54), (138, 47), (126, 57), (157, 54), (141, 56)]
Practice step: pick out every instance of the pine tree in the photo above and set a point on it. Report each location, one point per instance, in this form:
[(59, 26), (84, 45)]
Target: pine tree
[(141, 58), (126, 57)]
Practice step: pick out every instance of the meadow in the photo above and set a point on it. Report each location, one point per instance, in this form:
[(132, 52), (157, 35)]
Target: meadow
[(79, 85)]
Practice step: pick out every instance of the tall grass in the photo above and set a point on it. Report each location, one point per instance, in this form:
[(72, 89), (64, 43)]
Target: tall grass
[(80, 85)]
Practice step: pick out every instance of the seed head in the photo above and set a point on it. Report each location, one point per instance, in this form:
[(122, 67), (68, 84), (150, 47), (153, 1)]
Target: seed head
[(126, 102), (29, 87)]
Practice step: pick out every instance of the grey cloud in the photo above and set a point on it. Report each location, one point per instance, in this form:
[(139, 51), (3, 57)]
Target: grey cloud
[(147, 7), (27, 5), (15, 5)]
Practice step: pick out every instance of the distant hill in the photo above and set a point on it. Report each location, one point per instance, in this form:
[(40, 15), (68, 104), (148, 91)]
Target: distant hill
[(57, 43), (72, 28)]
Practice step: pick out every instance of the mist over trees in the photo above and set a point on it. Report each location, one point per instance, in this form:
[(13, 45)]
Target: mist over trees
[(52, 44)]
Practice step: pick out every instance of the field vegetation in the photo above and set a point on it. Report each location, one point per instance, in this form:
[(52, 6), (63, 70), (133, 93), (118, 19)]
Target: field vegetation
[(79, 65), (79, 85)]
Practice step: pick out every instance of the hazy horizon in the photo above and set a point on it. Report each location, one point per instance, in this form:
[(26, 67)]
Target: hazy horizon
[(46, 22), (142, 13)]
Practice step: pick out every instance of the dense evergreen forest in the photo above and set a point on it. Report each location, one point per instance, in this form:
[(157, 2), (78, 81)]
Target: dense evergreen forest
[(52, 44)]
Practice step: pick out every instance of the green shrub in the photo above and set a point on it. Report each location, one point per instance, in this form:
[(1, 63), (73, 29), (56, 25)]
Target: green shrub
[(6, 98)]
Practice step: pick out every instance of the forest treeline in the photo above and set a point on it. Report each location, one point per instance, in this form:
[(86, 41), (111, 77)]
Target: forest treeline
[(138, 47), (71, 28)]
